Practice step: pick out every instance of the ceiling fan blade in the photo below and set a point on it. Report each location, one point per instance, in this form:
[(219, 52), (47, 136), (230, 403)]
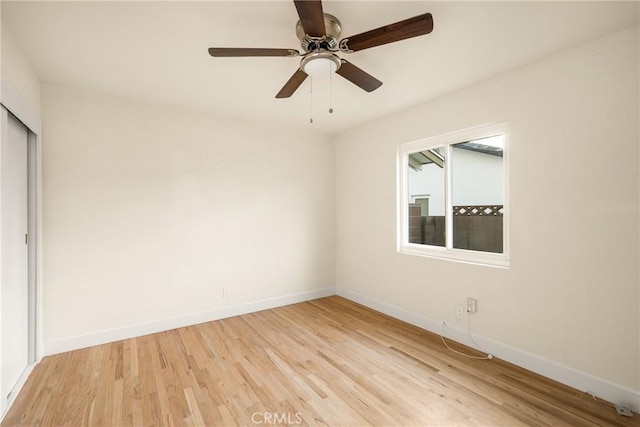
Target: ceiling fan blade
[(311, 17), (412, 27), (358, 77), (222, 52), (294, 83)]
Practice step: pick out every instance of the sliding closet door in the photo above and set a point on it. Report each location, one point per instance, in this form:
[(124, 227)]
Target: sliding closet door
[(14, 295)]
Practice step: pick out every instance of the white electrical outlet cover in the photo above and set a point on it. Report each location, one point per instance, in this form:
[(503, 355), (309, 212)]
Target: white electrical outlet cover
[(624, 410)]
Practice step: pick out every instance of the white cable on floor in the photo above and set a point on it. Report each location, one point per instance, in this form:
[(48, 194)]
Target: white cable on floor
[(592, 395), (487, 357)]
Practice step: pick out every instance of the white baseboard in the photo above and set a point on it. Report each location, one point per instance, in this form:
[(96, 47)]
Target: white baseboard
[(106, 336), (545, 367)]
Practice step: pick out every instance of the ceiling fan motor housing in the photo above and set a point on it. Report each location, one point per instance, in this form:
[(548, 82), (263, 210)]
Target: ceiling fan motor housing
[(333, 28)]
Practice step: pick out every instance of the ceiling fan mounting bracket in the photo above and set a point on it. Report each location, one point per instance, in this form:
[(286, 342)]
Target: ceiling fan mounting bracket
[(312, 44), (343, 46)]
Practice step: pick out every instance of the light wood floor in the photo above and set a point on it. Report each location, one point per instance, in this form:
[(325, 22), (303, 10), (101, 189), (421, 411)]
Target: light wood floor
[(325, 362)]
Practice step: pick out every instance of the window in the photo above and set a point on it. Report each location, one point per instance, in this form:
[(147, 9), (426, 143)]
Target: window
[(452, 196)]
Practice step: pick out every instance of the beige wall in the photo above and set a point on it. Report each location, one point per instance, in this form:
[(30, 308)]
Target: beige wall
[(149, 212), (571, 294), (18, 77)]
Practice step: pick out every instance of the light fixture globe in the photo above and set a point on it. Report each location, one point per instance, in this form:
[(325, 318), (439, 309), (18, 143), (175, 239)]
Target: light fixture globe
[(320, 64)]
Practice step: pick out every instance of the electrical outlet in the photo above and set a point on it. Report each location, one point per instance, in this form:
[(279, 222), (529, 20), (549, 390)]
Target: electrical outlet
[(624, 410), (472, 305), (226, 293), (459, 312)]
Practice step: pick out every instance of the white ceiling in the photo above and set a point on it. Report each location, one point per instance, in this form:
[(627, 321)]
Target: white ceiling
[(157, 51)]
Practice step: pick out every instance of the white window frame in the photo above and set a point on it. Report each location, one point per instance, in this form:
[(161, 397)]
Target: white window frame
[(448, 252)]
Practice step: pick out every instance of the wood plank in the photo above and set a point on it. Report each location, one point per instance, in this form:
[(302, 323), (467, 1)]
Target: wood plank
[(325, 362)]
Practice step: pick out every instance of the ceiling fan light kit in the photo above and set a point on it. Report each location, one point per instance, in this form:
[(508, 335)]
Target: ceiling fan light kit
[(320, 64), (319, 35)]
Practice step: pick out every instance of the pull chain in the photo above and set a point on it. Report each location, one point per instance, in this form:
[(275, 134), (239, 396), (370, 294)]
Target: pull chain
[(330, 91), (311, 103)]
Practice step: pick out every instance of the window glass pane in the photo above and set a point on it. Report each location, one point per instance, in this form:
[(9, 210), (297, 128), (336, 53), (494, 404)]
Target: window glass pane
[(426, 187), (477, 194)]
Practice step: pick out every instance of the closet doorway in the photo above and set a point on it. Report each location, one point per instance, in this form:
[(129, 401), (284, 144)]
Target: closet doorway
[(17, 255)]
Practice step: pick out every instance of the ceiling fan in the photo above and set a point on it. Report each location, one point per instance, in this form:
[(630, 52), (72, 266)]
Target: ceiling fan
[(319, 33)]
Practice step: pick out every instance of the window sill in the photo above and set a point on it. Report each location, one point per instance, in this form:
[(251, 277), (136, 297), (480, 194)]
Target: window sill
[(486, 259)]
